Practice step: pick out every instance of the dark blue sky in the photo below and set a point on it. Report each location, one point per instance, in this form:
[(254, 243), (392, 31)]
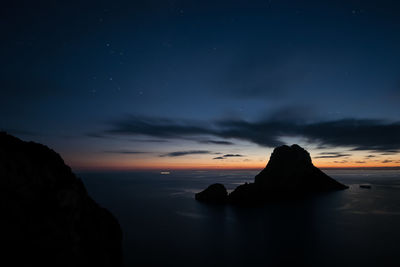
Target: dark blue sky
[(104, 82)]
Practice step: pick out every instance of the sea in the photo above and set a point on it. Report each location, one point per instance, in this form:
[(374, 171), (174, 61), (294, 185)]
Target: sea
[(163, 225)]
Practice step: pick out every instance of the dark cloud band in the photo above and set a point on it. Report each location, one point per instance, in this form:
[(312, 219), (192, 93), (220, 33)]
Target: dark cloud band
[(358, 134), (184, 153)]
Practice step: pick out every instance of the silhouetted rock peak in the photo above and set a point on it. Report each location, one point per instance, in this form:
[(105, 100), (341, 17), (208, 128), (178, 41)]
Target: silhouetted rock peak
[(290, 169), (48, 219), (289, 173), (289, 156), (215, 193)]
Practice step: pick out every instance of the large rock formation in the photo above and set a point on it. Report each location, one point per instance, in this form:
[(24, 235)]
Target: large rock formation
[(47, 217), (289, 173), (290, 170)]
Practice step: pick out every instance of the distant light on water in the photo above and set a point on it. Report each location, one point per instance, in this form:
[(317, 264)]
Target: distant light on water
[(165, 173)]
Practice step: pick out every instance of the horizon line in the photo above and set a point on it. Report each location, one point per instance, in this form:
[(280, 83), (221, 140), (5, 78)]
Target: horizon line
[(128, 169)]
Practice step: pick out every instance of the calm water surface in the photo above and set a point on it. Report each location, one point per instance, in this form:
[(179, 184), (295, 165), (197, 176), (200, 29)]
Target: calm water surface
[(164, 226)]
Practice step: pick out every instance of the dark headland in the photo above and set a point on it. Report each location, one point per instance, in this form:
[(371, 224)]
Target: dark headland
[(289, 173), (47, 217)]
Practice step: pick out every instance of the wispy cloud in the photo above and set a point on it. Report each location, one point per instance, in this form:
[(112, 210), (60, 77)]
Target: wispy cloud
[(124, 152), (390, 152), (184, 153), (229, 156), (357, 134), (328, 155), (105, 136), (342, 161), (215, 142), (232, 155)]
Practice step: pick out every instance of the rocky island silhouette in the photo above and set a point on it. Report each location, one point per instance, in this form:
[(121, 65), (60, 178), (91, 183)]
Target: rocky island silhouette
[(48, 218), (289, 173)]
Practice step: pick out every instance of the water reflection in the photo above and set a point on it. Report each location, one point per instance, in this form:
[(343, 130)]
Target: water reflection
[(164, 226)]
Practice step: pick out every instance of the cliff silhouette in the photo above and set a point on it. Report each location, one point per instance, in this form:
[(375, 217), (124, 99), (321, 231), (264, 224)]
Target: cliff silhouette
[(289, 173), (48, 218)]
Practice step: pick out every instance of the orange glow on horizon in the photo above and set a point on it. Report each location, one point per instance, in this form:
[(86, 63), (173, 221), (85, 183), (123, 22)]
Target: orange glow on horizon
[(253, 162), (159, 167)]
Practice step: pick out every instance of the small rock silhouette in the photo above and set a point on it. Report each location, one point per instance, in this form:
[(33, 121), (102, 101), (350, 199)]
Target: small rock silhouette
[(215, 193)]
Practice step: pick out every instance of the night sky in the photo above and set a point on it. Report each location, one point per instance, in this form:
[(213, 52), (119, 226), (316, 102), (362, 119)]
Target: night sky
[(203, 84)]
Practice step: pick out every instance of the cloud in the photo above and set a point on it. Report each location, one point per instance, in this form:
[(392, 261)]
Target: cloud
[(184, 153), (342, 161), (387, 161), (104, 136), (215, 142), (229, 156), (332, 157), (357, 134), (149, 140), (124, 152), (157, 127), (361, 162), (329, 155), (362, 134), (390, 152), (232, 155), (370, 156)]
